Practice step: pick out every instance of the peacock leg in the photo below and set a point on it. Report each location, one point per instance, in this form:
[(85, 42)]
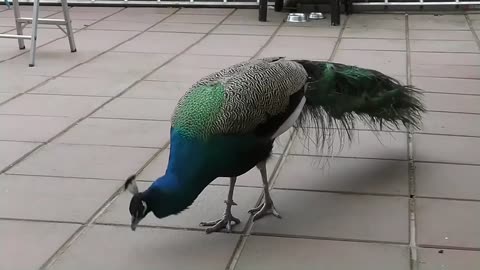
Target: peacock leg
[(228, 218), (267, 207)]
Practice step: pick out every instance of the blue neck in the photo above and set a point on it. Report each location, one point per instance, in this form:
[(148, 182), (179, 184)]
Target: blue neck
[(186, 176)]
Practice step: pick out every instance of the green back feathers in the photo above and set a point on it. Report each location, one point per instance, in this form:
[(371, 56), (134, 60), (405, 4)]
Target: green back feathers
[(198, 110), (236, 100)]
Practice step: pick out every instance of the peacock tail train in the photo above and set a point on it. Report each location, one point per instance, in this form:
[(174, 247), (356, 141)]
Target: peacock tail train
[(337, 95)]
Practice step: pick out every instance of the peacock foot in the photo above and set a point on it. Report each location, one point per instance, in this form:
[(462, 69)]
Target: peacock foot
[(264, 209), (223, 223)]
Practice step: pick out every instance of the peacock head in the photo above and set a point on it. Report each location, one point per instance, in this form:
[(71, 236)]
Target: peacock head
[(139, 207)]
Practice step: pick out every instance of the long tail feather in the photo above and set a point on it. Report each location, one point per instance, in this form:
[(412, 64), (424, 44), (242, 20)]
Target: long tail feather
[(337, 95)]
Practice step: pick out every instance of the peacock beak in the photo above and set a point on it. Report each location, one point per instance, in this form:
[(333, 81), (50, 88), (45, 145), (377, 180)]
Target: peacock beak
[(135, 222)]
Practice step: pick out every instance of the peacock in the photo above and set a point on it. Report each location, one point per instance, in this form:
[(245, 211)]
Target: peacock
[(227, 122)]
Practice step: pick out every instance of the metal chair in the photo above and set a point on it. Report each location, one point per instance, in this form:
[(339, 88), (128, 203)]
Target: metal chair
[(21, 22)]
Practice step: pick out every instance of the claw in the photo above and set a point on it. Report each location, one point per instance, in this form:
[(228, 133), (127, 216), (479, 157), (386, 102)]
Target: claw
[(217, 225), (264, 209)]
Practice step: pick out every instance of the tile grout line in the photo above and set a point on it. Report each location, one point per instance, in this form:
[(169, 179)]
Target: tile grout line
[(339, 39), (474, 33), (411, 164), (23, 157), (52, 259), (249, 226)]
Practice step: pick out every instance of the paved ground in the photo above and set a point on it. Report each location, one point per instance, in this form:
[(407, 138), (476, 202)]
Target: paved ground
[(74, 127)]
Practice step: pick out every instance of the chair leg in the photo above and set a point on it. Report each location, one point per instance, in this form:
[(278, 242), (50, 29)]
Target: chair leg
[(18, 25), (262, 10), (66, 16), (33, 46)]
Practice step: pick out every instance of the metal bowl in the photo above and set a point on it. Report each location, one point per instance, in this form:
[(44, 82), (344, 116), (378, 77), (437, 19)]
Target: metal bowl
[(296, 17), (316, 16)]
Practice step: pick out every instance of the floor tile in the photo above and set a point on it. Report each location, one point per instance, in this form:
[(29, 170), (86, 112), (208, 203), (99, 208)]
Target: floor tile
[(119, 64), (6, 96), (451, 124), (95, 41), (141, 11), (157, 90), (84, 86), (447, 181), (344, 174), (383, 21), (27, 11), (53, 199), (27, 245), (195, 18), (20, 84), (387, 62), (263, 252), (452, 103), (372, 44), (31, 128), (50, 62), (458, 228), (300, 47), (208, 206), (309, 31), (49, 105), (4, 29), (153, 42), (88, 13), (447, 85), (111, 247), (452, 71), (207, 61), (233, 45), (118, 132), (131, 108), (122, 25), (262, 30), (341, 216), (428, 58), (105, 162), (365, 144), (171, 73), (250, 17), (441, 35), (11, 151), (444, 46), (7, 22), (183, 27), (433, 259), (443, 22), (205, 11), (149, 17), (453, 149), (367, 32)]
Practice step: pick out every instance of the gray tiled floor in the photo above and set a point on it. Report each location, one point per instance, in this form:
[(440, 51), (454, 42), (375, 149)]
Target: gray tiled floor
[(99, 115)]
